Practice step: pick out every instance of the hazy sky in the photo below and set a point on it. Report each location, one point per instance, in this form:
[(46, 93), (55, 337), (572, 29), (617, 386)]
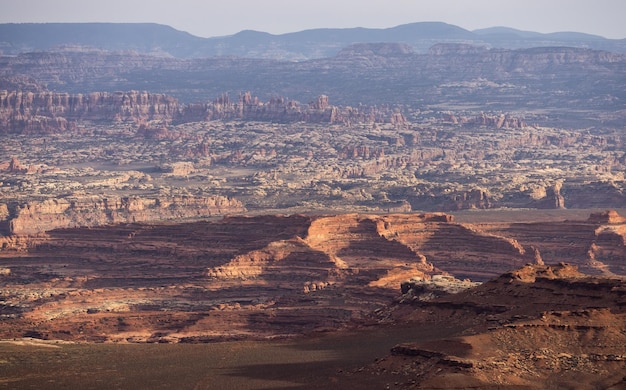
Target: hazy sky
[(208, 18)]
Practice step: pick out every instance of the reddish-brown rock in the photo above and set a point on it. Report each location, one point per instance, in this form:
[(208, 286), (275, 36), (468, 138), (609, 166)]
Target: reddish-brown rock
[(537, 327)]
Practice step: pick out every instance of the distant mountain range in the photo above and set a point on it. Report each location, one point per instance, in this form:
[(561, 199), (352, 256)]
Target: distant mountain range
[(155, 39)]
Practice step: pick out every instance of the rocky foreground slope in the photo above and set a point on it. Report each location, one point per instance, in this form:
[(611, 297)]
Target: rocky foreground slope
[(538, 327)]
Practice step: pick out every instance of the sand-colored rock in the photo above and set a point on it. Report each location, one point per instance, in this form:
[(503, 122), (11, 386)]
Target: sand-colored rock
[(36, 217)]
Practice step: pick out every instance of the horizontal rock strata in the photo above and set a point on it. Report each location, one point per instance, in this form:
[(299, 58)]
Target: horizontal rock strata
[(39, 216)]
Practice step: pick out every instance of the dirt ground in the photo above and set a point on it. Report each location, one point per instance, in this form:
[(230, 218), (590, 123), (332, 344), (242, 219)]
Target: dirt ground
[(322, 361)]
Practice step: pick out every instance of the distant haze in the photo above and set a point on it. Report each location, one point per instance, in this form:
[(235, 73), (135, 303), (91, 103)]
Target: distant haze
[(219, 18)]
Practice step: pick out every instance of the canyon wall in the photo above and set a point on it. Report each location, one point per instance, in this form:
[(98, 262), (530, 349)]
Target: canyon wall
[(43, 112), (494, 121), (40, 216), (384, 250), (262, 276)]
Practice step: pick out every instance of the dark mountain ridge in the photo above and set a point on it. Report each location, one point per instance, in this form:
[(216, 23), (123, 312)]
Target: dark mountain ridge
[(150, 38)]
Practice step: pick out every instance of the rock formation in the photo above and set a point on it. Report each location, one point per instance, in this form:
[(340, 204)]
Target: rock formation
[(49, 112), (268, 276), (280, 276), (13, 166), (97, 242), (607, 217), (273, 274), (37, 112), (474, 199), (594, 245), (538, 327), (553, 198), (495, 121), (36, 217), (376, 74), (437, 286)]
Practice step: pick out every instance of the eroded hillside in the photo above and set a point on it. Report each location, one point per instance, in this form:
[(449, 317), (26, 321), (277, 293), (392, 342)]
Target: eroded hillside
[(257, 277), (538, 327), (443, 162)]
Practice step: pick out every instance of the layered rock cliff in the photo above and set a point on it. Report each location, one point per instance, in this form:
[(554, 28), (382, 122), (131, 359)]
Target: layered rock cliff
[(404, 246), (596, 245), (40, 216), (265, 276), (494, 121), (41, 112), (44, 112), (537, 327), (239, 276)]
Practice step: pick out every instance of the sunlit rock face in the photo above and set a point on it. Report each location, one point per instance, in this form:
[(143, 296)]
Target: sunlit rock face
[(37, 217)]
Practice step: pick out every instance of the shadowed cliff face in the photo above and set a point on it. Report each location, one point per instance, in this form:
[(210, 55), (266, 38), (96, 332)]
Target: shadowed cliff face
[(237, 277), (261, 276), (282, 276), (596, 245)]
